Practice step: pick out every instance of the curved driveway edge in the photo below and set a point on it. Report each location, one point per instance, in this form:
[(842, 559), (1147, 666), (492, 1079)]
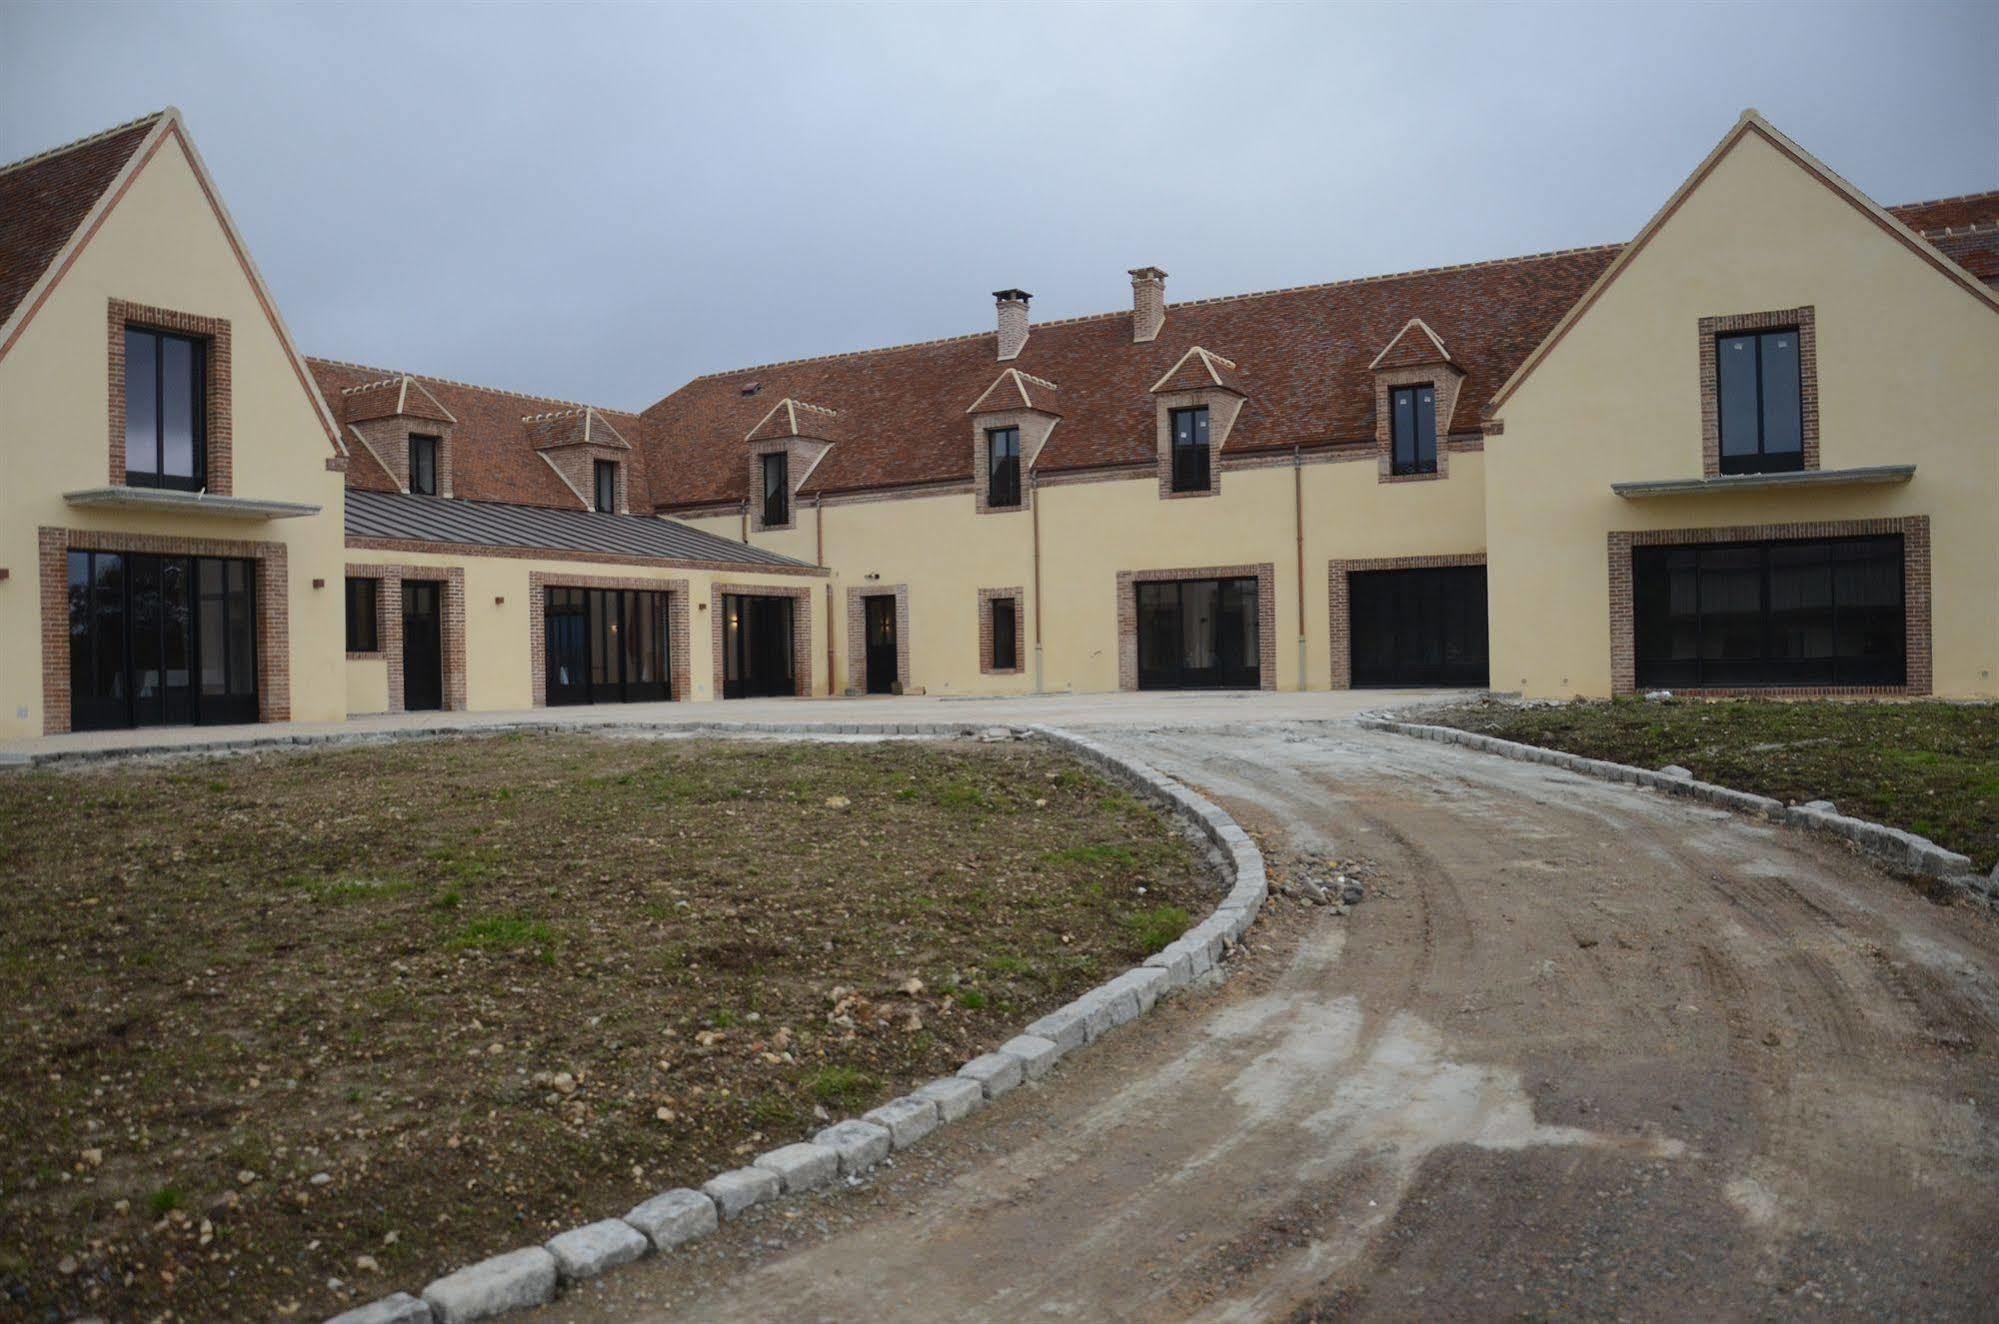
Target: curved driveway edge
[(1893, 847), (532, 1275)]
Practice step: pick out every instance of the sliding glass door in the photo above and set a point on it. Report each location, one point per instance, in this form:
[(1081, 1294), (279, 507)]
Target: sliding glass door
[(606, 645), (161, 640)]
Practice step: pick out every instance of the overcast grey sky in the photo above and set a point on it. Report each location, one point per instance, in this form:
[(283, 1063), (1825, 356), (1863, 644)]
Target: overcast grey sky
[(598, 202)]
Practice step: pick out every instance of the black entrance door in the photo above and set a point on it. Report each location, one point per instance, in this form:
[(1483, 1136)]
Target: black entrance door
[(161, 640), (423, 645), (1198, 634), (880, 631), (757, 647), (606, 645), (1418, 627)]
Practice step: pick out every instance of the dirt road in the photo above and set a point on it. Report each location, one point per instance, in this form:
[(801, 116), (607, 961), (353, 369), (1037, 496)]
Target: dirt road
[(1584, 1052)]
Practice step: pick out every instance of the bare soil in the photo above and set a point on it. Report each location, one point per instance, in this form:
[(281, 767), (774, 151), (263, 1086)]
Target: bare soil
[(281, 1022), (1931, 768), (1583, 1052)]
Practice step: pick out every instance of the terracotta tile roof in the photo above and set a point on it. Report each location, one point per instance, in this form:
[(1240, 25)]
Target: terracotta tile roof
[(493, 441), (796, 418), (1414, 344), (1927, 218), (1014, 389), (1198, 370), (1301, 359), (44, 198)]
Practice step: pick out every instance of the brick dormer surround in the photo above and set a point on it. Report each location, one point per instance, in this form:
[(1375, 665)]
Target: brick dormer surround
[(219, 468), (571, 441), (384, 415), (1015, 399), (1198, 378), (1414, 356), (804, 432)]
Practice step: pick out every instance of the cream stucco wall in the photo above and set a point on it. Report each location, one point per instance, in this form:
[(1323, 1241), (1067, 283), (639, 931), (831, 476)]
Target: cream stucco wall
[(499, 675), (1908, 372), (1090, 531), (161, 245)]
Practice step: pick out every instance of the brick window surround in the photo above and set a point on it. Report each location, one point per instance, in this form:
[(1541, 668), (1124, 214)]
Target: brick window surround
[(1915, 531), (801, 630), (1445, 381), (1339, 599), (274, 703), (1265, 575), (677, 654), (1223, 407), (857, 634), (759, 449), (987, 596), (389, 605), (219, 473), (381, 617), (1034, 429), (1711, 328)]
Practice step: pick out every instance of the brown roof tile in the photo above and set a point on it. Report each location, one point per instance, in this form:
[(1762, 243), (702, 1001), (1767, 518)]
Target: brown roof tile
[(44, 198), (1014, 389), (1414, 344), (493, 449), (1304, 356), (1927, 218)]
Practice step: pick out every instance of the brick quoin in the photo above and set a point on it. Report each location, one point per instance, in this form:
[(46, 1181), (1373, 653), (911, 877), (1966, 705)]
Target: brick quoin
[(1915, 531), (1265, 575)]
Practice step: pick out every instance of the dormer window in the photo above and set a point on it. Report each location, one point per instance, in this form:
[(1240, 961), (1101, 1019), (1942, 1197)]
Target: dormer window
[(776, 489), (605, 473), (1190, 449), (166, 392), (1003, 466), (1760, 402), (423, 466), (1412, 423)]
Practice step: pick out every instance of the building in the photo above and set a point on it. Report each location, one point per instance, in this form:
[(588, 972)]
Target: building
[(1757, 447)]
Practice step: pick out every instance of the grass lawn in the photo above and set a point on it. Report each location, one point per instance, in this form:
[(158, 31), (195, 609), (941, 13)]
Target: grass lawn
[(1931, 768), (370, 1014)]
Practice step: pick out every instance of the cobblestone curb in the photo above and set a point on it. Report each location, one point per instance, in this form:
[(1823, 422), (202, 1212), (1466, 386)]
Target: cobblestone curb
[(530, 1276), (1902, 851)]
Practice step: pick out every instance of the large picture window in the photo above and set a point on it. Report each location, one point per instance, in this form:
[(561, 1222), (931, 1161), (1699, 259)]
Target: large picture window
[(1760, 403), (1003, 467), (161, 640), (166, 393), (1823, 612), (1412, 428), (606, 645), (1191, 462)]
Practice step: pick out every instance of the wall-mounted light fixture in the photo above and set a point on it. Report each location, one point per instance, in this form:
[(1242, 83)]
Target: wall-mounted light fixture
[(319, 583)]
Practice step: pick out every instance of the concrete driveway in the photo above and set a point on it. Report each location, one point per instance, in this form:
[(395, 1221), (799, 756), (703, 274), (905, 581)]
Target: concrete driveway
[(1583, 1051)]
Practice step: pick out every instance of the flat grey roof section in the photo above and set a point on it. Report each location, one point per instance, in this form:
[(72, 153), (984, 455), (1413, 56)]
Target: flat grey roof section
[(1666, 487), (404, 518)]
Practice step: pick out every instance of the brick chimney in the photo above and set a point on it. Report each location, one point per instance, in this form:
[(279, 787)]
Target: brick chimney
[(1012, 322), (1148, 303)]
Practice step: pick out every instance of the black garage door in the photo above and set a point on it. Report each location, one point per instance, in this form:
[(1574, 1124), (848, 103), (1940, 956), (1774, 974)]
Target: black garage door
[(1418, 627), (1727, 615)]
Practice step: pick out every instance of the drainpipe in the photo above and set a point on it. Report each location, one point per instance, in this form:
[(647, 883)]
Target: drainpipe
[(745, 513), (819, 533), (1298, 522), (819, 526), (1034, 508)]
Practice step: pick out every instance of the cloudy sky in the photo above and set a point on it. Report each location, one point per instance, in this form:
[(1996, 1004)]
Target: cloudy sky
[(599, 202)]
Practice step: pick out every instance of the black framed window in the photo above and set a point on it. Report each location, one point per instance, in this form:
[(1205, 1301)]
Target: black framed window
[(1412, 429), (364, 615), (161, 640), (1760, 407), (1003, 466), (777, 489), (1808, 612), (166, 404), (423, 466), (1006, 634), (1190, 449), (605, 472), (606, 645)]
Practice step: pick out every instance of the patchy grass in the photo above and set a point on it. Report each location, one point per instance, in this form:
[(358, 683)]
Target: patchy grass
[(1931, 768), (427, 1002)]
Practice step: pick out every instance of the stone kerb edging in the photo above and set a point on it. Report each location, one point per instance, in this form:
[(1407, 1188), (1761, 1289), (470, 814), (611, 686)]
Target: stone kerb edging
[(532, 1275), (1893, 847)]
